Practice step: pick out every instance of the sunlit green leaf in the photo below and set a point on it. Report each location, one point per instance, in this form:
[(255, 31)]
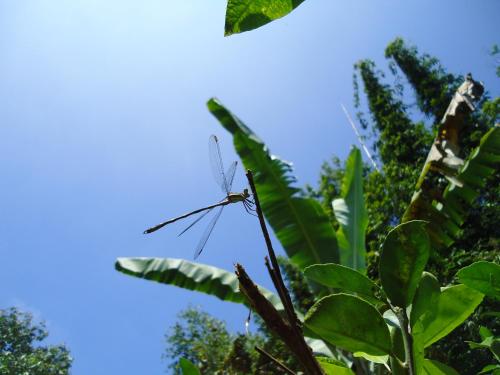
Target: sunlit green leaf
[(404, 255), (351, 214), (351, 323), (190, 275), (372, 358), (341, 277), (333, 367), (244, 15), (300, 224), (188, 368), (490, 369), (453, 306), (482, 276)]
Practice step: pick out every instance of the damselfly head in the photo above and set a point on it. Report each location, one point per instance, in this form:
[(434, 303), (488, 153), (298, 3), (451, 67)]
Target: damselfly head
[(245, 193)]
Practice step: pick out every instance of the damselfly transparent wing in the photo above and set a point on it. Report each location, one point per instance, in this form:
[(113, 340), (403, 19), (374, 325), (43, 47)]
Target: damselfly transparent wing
[(208, 232), (217, 165), (194, 222), (230, 174)]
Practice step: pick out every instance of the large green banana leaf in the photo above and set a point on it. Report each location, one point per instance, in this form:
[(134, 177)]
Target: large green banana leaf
[(190, 275), (202, 278), (447, 213), (300, 224), (351, 214)]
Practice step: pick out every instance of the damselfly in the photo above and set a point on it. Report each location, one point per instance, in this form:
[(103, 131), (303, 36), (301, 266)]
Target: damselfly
[(225, 181)]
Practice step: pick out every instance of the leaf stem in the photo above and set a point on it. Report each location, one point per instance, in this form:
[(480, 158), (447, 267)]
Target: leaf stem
[(407, 339)]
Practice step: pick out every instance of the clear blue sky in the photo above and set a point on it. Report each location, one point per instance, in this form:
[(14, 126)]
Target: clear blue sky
[(104, 130)]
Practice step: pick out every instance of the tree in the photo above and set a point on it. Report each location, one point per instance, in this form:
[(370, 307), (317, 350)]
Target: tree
[(205, 341), (20, 349), (200, 338)]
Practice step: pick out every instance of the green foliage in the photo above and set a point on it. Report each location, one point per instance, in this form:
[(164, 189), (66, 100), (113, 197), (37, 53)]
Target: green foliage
[(189, 275), (495, 50), (433, 87), (345, 279), (426, 296), (21, 352), (483, 277), (403, 259), (399, 139), (205, 342), (299, 223), (454, 305), (301, 292), (239, 360), (350, 212), (355, 324), (188, 368), (386, 201), (306, 231), (436, 368), (401, 146), (447, 211), (489, 341), (245, 15), (334, 367), (351, 323), (199, 338)]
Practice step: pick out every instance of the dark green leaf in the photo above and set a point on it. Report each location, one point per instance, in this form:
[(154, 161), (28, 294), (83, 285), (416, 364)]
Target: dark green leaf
[(341, 277), (424, 306), (404, 255), (188, 368), (351, 323), (189, 275), (300, 224), (245, 15), (482, 276), (426, 297), (351, 214), (490, 369)]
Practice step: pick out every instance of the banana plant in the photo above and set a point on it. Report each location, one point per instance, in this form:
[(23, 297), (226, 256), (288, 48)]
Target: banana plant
[(300, 224), (394, 323), (446, 209), (350, 212)]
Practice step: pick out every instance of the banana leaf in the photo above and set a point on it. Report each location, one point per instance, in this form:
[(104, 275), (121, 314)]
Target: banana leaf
[(245, 15), (448, 212), (205, 279), (190, 275), (301, 225), (351, 214)]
